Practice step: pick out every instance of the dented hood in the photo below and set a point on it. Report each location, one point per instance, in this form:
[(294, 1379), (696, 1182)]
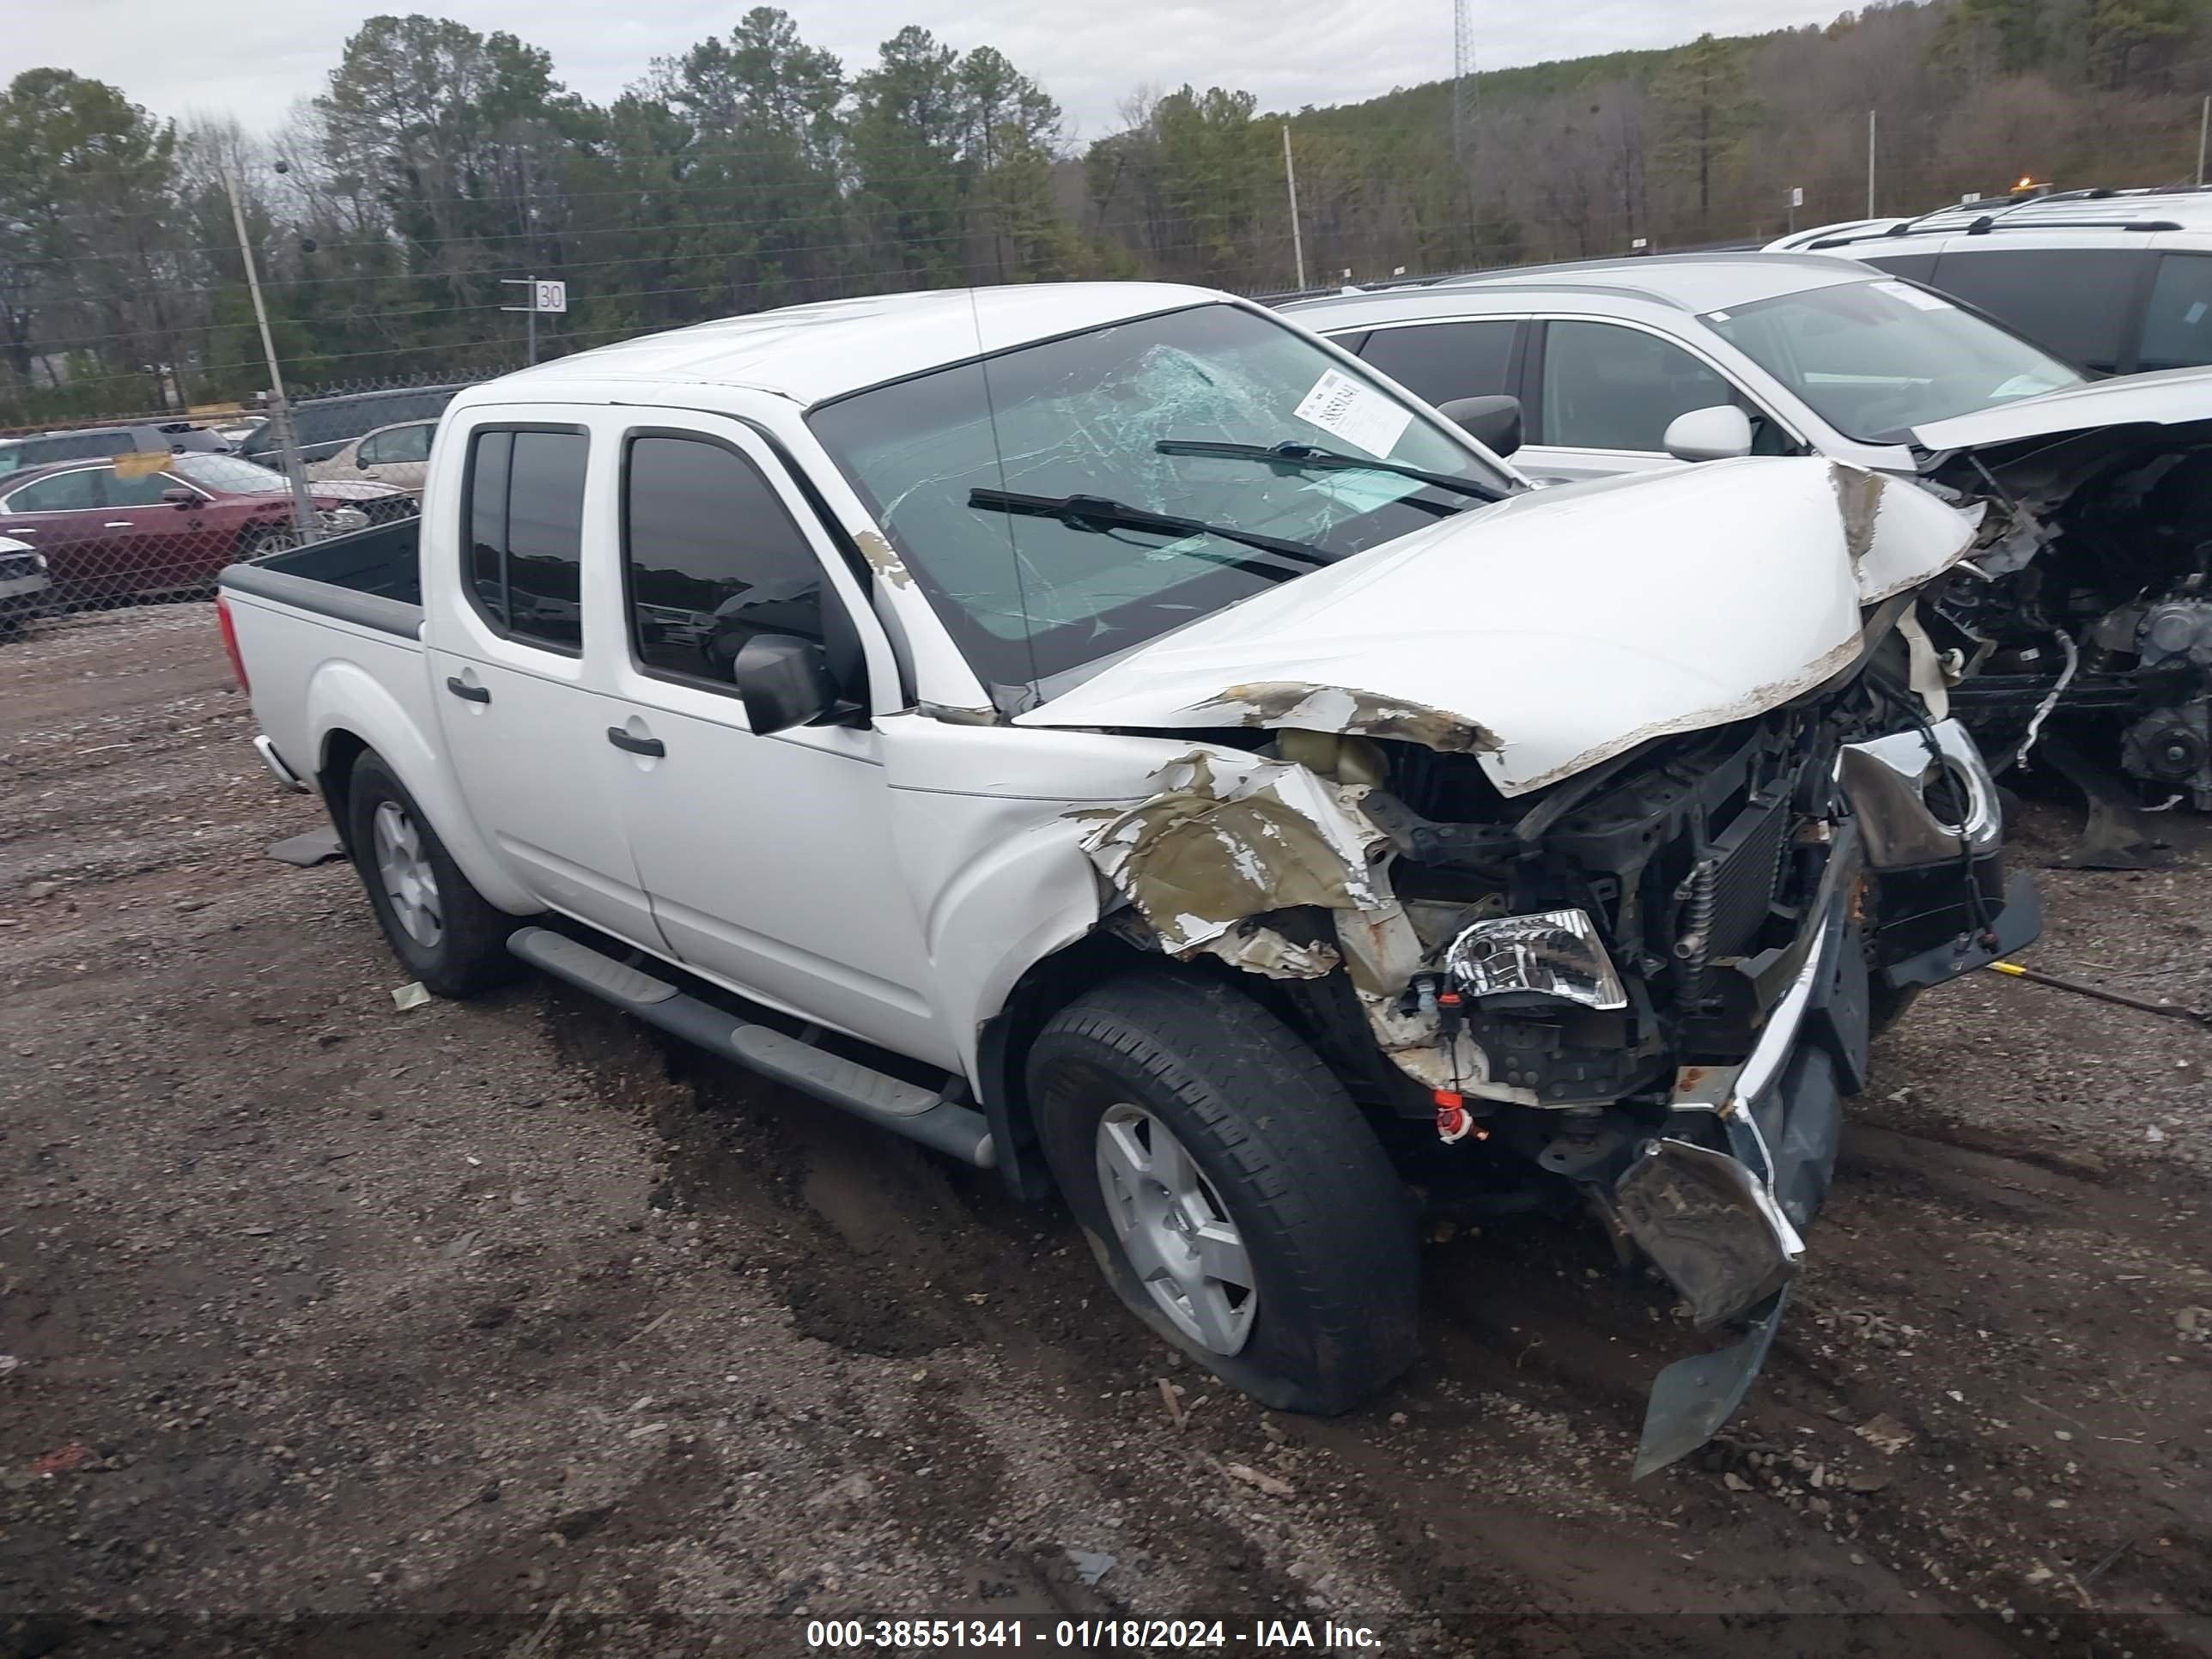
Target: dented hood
[(1554, 630), (2169, 397)]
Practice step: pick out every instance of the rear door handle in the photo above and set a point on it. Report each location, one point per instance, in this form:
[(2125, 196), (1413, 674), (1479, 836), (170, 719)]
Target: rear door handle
[(461, 689), (622, 739), (118, 524)]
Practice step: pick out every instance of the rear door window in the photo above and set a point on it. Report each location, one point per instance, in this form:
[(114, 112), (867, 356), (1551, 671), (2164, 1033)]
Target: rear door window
[(525, 533), (1609, 388), (2177, 327), (65, 492), (2073, 302), (1440, 361)]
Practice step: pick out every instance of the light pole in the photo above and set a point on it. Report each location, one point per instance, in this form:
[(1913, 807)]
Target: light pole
[(279, 411)]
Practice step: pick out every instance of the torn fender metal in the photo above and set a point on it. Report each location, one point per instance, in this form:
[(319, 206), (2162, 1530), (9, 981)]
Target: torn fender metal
[(1227, 837), (1550, 632), (1218, 842)]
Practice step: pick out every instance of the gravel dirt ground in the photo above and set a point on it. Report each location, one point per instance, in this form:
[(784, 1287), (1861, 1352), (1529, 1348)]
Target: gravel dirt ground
[(509, 1329)]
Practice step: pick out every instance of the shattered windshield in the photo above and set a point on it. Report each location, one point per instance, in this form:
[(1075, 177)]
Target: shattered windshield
[(1028, 597), (1875, 360)]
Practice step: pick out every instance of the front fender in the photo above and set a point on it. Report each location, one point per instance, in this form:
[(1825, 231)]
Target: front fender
[(345, 697), (1024, 897)]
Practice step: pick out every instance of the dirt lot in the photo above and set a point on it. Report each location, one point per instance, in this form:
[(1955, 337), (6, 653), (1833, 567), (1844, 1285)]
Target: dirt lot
[(506, 1329)]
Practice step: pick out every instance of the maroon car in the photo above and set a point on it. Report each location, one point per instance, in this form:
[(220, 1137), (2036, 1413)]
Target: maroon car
[(130, 525)]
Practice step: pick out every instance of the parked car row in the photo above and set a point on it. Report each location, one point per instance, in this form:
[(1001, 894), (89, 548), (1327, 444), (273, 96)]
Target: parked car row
[(114, 529), (2091, 613), (98, 515)]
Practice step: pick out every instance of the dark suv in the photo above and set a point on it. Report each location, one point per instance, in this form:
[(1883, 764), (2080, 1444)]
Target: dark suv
[(324, 425), (99, 442)]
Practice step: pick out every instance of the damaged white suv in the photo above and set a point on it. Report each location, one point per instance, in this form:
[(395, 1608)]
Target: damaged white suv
[(1101, 733)]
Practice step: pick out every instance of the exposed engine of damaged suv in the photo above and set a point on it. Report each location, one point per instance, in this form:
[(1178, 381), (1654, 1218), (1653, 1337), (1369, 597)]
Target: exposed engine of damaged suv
[(2096, 608)]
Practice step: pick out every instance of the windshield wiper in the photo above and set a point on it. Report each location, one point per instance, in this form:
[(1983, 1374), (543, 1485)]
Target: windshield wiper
[(1310, 458), (1098, 514)]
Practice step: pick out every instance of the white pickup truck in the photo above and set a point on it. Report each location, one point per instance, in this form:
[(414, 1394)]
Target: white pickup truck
[(1103, 732)]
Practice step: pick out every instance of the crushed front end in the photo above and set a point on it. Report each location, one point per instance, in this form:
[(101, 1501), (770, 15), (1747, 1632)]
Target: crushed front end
[(1649, 985)]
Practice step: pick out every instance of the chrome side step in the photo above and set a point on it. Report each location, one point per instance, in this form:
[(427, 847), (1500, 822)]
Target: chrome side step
[(890, 1102)]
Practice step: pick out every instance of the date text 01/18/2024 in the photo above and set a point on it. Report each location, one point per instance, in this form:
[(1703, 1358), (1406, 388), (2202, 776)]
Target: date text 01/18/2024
[(1262, 1635)]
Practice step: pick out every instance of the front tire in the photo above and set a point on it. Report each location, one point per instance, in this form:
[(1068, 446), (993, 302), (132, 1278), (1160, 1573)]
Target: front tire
[(1234, 1196), (443, 931)]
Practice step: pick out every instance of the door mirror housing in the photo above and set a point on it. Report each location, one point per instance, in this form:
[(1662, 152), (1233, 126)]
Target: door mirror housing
[(784, 681), (1494, 422), (180, 498), (1721, 433)]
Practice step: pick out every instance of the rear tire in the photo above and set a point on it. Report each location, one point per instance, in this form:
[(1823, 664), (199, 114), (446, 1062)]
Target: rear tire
[(1286, 1184), (443, 931)]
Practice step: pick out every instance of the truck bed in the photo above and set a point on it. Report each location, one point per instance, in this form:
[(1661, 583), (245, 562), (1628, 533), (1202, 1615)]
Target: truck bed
[(372, 577)]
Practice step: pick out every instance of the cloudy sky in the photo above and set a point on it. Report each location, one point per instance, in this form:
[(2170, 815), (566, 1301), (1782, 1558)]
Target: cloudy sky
[(253, 61)]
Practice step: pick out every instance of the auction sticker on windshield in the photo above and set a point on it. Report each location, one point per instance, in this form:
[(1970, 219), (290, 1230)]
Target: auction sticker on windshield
[(1359, 415), (1914, 296)]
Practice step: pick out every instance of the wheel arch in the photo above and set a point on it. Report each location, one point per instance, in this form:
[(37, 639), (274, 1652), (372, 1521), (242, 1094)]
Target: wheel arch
[(1003, 1041), (350, 713)]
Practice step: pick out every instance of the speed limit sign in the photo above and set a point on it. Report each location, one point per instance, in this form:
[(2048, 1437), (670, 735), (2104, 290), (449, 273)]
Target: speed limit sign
[(552, 296)]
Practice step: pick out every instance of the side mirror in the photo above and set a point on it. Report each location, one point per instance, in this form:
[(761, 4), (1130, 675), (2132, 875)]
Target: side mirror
[(1493, 422), (1719, 433), (180, 499), (784, 681)]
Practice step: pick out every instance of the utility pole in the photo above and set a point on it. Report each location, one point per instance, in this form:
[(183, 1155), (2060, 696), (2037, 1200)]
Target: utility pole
[(280, 410), (1290, 183), (2203, 130), (1870, 115)]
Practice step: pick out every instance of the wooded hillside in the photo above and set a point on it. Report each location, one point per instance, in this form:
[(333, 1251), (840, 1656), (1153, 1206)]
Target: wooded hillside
[(754, 169)]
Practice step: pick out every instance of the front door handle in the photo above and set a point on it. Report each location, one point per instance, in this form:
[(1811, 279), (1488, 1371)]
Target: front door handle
[(622, 739), (118, 524), (461, 689)]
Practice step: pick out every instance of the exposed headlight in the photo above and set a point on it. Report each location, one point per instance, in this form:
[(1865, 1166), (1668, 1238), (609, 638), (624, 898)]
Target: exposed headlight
[(1552, 954)]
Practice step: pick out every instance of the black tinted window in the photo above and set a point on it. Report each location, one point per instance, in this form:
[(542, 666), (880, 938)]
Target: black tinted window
[(1440, 361), (526, 532), (489, 453), (712, 558), (2177, 329), (2073, 302), (1606, 388), (1917, 267)]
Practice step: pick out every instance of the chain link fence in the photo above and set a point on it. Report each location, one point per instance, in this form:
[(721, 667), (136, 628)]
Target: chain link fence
[(151, 507)]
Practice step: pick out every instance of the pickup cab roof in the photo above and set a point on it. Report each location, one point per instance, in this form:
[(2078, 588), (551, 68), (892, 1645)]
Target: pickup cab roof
[(813, 354)]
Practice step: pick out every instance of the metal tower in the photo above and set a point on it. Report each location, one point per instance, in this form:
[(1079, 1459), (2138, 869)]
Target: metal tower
[(1463, 78)]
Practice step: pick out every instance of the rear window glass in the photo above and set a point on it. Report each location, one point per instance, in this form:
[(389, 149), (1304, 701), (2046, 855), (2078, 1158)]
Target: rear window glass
[(2073, 302), (525, 533)]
